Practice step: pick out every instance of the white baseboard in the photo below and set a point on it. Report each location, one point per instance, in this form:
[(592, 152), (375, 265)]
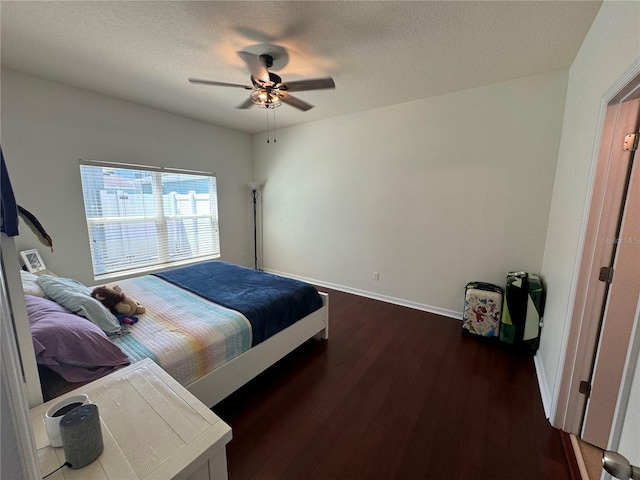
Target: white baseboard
[(376, 296), (543, 386)]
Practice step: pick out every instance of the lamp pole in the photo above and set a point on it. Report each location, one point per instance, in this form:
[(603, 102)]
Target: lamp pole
[(254, 194)]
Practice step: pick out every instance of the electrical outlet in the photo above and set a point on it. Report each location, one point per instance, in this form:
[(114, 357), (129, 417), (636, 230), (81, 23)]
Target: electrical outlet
[(376, 275)]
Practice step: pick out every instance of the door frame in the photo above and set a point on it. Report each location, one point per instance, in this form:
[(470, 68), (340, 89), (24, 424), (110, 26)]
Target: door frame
[(16, 419), (567, 411)]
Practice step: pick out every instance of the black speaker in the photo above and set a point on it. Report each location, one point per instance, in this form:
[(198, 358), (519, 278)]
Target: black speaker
[(81, 435)]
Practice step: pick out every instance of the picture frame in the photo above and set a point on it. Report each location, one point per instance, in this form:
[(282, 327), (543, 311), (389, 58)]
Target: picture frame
[(32, 260)]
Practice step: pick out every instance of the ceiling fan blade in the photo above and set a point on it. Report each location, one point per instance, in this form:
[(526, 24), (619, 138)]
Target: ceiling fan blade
[(296, 102), (246, 104), (311, 84), (256, 66), (220, 84)]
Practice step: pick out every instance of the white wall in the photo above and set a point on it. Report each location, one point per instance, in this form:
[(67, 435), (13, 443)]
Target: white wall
[(610, 48), (431, 194), (47, 127)]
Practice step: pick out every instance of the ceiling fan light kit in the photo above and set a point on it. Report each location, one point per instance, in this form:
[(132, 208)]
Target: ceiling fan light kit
[(266, 99)]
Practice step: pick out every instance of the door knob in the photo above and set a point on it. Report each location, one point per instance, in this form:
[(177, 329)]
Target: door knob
[(619, 467)]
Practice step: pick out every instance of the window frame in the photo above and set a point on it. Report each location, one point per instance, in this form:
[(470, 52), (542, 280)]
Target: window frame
[(160, 218)]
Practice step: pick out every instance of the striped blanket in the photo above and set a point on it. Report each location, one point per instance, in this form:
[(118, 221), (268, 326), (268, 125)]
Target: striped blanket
[(185, 334)]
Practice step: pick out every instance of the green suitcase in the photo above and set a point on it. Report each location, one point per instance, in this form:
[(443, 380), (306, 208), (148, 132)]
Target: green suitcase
[(522, 312)]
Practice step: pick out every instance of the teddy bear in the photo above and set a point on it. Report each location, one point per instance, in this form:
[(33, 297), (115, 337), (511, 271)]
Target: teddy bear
[(115, 300)]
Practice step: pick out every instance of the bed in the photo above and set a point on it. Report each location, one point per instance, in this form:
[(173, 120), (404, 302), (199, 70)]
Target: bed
[(213, 326)]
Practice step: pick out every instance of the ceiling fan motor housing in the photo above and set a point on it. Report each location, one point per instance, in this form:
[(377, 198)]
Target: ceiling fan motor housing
[(273, 79), (268, 60)]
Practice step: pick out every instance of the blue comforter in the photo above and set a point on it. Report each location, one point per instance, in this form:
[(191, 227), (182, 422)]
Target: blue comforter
[(271, 303)]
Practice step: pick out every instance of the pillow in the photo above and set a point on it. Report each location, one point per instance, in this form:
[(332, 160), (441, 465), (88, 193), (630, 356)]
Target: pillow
[(30, 284), (70, 345), (77, 298)]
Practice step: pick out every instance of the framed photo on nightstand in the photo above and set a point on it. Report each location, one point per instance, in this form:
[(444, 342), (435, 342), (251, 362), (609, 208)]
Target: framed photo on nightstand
[(32, 260)]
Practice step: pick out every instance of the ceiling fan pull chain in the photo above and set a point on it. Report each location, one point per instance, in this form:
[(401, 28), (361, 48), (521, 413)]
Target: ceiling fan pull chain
[(274, 126), (267, 125)]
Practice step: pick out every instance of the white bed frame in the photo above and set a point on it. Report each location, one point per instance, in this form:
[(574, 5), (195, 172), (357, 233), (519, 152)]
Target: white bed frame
[(226, 379), (211, 388)]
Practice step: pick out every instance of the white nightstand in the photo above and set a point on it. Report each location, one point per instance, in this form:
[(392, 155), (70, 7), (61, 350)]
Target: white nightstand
[(152, 428)]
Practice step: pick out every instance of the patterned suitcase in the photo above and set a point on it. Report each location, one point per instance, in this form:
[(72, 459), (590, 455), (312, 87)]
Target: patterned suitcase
[(482, 309), (522, 312)]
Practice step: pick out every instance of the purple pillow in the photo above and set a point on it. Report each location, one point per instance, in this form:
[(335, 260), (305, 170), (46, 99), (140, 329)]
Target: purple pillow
[(70, 345)]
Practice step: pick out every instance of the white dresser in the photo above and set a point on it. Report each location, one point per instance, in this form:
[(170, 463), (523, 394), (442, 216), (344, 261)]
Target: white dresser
[(152, 428)]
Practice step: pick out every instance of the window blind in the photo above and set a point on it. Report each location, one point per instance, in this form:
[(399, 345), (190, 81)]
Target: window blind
[(142, 217)]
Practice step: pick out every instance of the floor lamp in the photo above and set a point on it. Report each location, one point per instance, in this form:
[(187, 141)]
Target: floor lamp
[(254, 194)]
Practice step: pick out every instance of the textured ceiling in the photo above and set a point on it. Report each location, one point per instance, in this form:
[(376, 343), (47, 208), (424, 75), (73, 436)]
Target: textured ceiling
[(379, 53)]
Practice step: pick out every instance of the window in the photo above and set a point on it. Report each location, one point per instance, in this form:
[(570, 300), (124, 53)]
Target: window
[(142, 217)]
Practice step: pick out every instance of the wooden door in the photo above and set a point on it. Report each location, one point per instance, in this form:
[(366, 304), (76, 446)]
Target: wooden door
[(602, 222), (620, 297)]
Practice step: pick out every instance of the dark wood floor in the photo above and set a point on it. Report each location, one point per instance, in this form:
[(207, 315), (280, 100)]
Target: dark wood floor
[(394, 393)]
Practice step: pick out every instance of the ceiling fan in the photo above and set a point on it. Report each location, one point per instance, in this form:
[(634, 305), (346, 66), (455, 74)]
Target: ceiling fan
[(268, 90)]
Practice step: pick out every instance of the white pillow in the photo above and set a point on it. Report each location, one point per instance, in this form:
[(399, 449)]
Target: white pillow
[(30, 284), (77, 298)]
